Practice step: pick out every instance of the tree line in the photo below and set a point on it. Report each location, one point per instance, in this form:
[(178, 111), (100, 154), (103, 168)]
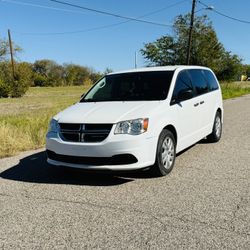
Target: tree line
[(170, 49), (42, 73)]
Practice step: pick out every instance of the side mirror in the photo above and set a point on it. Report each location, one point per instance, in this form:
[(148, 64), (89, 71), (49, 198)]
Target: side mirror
[(185, 95)]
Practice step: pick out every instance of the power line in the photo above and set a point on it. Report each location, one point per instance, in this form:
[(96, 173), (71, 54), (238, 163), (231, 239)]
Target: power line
[(69, 32), (89, 29), (111, 14), (39, 6), (80, 12), (164, 8), (224, 15)]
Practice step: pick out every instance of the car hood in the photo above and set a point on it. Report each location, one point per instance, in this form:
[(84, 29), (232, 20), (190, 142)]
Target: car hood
[(106, 112)]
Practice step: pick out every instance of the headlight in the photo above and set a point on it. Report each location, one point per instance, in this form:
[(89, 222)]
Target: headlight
[(54, 126), (132, 127)]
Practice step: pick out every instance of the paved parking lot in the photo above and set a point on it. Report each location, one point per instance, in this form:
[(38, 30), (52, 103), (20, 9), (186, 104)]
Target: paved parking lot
[(203, 204)]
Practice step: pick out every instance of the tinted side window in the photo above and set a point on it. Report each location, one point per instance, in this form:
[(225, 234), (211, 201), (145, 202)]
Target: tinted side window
[(212, 83), (199, 81), (183, 83)]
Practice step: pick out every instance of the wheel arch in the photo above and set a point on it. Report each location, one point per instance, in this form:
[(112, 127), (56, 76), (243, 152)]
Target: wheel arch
[(220, 111), (172, 129), (157, 168)]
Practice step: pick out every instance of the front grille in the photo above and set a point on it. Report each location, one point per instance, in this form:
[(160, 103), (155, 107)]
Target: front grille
[(114, 160), (84, 132)]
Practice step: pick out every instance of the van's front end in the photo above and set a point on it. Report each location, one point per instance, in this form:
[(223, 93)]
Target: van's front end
[(112, 127), (121, 146)]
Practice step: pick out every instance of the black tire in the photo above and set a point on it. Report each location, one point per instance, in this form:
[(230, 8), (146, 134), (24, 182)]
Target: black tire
[(162, 166), (217, 129)]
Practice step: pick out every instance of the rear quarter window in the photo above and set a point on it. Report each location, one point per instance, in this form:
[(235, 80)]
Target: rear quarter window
[(199, 81), (212, 82)]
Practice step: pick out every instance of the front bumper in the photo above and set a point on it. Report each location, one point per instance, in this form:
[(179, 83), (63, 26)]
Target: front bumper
[(142, 147)]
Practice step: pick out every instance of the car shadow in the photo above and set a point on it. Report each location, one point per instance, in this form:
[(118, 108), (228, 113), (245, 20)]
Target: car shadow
[(35, 169), (202, 141)]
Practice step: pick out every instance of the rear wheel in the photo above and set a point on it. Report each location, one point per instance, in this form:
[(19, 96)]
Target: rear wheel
[(165, 154), (217, 129)]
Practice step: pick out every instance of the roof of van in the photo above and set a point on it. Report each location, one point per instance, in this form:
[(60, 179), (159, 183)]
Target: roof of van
[(161, 68)]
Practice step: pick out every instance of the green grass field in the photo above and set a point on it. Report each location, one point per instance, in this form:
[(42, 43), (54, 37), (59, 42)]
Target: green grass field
[(236, 89), (24, 121)]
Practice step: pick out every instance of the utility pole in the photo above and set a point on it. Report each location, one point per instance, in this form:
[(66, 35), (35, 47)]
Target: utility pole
[(190, 33), (11, 54), (135, 60)]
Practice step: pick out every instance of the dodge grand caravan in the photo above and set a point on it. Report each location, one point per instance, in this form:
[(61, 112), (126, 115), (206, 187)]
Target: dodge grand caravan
[(138, 119)]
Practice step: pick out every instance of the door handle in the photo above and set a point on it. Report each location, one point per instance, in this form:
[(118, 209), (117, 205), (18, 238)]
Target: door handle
[(201, 102), (196, 104)]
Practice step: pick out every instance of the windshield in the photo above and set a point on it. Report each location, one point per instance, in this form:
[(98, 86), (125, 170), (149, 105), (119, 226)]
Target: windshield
[(137, 86)]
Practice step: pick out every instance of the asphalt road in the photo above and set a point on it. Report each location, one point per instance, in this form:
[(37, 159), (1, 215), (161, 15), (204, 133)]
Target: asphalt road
[(203, 204)]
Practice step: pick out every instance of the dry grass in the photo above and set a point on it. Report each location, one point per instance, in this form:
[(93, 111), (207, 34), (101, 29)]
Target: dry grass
[(24, 121)]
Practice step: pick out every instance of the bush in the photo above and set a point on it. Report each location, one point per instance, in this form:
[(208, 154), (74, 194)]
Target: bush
[(40, 80), (10, 87), (4, 89)]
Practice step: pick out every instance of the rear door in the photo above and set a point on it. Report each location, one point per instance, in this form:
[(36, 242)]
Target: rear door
[(185, 112), (204, 101)]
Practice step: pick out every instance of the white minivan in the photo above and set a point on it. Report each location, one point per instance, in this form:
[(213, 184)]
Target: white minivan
[(138, 119)]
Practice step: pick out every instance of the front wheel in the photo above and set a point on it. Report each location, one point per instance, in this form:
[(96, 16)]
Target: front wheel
[(165, 154), (217, 129)]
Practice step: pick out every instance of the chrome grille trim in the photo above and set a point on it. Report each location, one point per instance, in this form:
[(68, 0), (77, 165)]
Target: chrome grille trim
[(84, 132)]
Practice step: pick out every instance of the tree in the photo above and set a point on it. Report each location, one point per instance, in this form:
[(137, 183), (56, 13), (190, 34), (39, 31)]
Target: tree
[(5, 49), (43, 67), (95, 76), (48, 73), (17, 85), (206, 49), (76, 74), (10, 87), (161, 52), (57, 75), (246, 69), (230, 67), (40, 69), (107, 71), (23, 79)]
